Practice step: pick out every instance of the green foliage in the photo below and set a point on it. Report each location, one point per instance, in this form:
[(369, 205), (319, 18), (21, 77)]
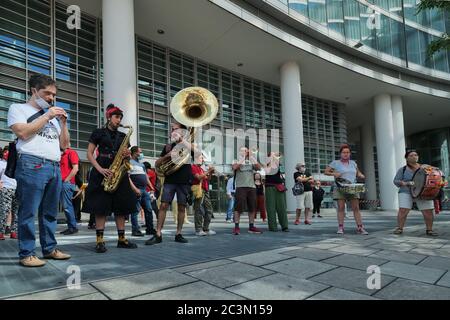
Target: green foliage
[(442, 43)]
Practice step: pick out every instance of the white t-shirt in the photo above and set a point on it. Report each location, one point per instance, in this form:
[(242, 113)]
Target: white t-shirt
[(44, 144), (8, 183)]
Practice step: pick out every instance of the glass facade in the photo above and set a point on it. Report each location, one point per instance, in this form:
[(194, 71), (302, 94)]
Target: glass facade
[(388, 29), (34, 38)]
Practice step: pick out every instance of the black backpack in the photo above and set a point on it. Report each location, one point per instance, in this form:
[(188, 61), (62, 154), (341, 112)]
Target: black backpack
[(11, 163)]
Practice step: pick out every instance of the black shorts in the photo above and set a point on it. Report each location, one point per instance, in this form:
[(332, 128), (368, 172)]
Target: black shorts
[(245, 199), (181, 190)]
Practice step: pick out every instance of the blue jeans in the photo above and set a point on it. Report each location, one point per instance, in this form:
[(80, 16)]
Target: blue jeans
[(66, 197), (143, 202), (230, 208), (38, 190)]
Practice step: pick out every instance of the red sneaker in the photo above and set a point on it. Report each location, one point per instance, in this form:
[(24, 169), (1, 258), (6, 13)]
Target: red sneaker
[(13, 235), (254, 230), (297, 222), (236, 231), (2, 237)]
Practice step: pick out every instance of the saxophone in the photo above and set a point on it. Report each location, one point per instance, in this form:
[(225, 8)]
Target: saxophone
[(120, 165)]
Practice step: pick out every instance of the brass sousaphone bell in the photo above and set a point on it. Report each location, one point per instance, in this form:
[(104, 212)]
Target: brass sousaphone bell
[(193, 107)]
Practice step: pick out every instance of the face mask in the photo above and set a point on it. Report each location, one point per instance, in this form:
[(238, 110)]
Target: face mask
[(44, 105), (303, 169), (141, 156)]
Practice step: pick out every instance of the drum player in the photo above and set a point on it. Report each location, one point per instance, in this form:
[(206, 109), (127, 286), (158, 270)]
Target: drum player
[(404, 180), (346, 169)]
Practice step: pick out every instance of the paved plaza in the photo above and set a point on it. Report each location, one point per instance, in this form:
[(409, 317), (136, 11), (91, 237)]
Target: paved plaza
[(309, 262)]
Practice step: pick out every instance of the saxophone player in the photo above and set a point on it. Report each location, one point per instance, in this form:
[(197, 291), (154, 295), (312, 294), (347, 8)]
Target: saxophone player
[(122, 202)]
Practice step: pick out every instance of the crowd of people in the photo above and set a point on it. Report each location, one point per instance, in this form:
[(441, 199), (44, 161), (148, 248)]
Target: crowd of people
[(45, 174)]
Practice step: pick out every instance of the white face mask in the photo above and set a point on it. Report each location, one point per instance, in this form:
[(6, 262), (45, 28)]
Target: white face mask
[(44, 105)]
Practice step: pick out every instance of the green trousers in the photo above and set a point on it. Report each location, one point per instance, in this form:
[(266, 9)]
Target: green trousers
[(276, 206), (203, 212)]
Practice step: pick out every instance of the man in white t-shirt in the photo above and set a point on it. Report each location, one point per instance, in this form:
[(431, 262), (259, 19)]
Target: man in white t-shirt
[(42, 132)]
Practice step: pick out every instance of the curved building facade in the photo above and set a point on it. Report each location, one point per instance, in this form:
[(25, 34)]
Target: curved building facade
[(321, 72)]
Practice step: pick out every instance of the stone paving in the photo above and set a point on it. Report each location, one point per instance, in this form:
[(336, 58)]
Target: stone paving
[(309, 262)]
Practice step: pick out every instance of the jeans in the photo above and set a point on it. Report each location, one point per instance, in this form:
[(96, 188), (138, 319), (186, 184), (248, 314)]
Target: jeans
[(143, 202), (38, 190), (230, 208), (66, 197)]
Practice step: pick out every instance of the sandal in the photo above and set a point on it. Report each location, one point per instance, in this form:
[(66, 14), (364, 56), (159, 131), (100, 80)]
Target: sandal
[(431, 233), (398, 230)]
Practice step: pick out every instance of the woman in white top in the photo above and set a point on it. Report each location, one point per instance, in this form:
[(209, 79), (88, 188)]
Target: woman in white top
[(344, 168)]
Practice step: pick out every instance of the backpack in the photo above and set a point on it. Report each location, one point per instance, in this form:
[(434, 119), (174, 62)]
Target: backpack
[(11, 163), (298, 189)]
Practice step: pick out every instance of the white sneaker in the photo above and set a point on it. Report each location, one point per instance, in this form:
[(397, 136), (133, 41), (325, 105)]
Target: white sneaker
[(210, 232), (340, 231), (201, 233), (362, 231)]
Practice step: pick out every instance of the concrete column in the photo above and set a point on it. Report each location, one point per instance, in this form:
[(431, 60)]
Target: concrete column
[(119, 59), (385, 151), (367, 143), (399, 131), (291, 106)]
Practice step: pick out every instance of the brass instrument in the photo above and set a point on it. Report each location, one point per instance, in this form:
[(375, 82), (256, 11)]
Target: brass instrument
[(120, 165), (192, 107)]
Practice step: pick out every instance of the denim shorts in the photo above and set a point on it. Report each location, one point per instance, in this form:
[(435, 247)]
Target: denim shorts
[(181, 190)]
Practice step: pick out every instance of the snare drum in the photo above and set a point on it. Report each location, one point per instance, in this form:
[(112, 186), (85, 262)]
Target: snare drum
[(352, 188), (427, 183)]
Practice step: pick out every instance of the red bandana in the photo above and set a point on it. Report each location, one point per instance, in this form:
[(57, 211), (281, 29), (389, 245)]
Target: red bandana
[(114, 110)]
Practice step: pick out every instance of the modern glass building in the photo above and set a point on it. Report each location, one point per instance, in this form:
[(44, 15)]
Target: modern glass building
[(323, 72)]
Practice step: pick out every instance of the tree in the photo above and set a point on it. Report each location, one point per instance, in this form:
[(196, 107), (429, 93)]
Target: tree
[(442, 43)]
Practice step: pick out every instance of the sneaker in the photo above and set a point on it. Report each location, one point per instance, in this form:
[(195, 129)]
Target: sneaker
[(32, 261), (236, 231), (150, 232), (180, 238), (91, 226), (153, 240), (2, 237), (340, 231), (296, 222), (13, 235), (228, 221), (314, 216), (137, 233), (431, 233), (125, 244), (69, 231), (57, 255), (319, 216), (307, 222), (100, 247), (362, 231), (7, 230), (398, 231), (254, 230), (200, 233), (210, 232), (285, 230)]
